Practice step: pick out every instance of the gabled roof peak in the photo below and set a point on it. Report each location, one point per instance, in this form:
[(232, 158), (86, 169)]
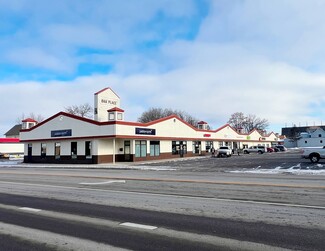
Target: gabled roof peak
[(107, 88), (115, 109)]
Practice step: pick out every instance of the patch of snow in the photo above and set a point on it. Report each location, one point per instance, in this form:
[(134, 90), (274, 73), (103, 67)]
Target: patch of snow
[(10, 163), (296, 170)]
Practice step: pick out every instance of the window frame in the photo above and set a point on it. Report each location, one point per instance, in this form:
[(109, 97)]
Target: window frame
[(140, 149), (88, 149), (43, 150), (154, 148), (74, 150), (57, 150)]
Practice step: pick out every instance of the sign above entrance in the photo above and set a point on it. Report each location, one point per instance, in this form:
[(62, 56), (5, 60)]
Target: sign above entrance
[(61, 133), (145, 131)]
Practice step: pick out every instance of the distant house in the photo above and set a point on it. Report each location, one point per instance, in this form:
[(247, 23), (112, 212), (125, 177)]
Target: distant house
[(307, 137), (14, 131), (11, 145)]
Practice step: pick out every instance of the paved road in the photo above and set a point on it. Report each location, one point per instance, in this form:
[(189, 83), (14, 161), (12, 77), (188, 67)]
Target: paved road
[(102, 224), (198, 206)]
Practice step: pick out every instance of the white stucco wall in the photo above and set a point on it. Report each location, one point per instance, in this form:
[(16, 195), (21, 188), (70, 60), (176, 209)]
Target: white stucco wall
[(79, 128), (101, 135), (103, 101)]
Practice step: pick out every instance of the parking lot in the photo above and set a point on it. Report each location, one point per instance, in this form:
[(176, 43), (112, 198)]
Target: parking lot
[(285, 161), (288, 162)]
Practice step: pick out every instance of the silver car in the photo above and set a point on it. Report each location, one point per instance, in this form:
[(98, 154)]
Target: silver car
[(255, 149)]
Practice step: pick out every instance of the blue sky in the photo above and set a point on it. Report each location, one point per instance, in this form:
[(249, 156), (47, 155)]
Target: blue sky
[(208, 58)]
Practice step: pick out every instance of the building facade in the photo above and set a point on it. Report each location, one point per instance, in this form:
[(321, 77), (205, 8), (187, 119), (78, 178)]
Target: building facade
[(313, 136), (10, 146), (66, 138)]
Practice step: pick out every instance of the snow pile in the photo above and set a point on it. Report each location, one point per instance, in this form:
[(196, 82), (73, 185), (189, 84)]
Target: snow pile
[(297, 170), (10, 162)]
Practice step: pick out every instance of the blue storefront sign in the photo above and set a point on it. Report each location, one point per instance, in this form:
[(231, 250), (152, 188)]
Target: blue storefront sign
[(145, 131), (61, 133)]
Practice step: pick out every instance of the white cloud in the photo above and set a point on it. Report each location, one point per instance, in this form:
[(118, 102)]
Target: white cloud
[(274, 91), (258, 57), (37, 58), (58, 30)]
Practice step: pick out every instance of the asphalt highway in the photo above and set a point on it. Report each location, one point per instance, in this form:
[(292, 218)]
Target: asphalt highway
[(194, 204), (86, 221)]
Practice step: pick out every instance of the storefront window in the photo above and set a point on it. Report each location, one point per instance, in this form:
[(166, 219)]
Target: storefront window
[(179, 147), (73, 150), (88, 149), (111, 116), (140, 148), (57, 150), (208, 145), (43, 151), (154, 148)]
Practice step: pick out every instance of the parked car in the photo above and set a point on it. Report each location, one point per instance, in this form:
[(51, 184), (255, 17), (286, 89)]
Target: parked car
[(280, 148), (224, 151), (270, 149), (255, 149)]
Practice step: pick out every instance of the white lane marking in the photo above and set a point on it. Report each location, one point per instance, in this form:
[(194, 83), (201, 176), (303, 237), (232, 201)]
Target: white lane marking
[(169, 195), (135, 225), (30, 209), (103, 183)]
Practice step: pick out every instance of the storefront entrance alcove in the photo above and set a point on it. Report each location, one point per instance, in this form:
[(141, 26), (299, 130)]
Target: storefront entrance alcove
[(127, 150), (197, 147)]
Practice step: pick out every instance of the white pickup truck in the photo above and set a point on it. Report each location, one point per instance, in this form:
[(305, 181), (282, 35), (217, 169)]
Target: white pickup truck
[(313, 153)]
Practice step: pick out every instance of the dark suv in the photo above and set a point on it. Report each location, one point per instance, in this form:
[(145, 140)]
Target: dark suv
[(280, 148)]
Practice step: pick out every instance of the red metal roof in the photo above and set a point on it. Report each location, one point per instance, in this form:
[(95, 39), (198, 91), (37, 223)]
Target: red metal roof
[(29, 120), (115, 109)]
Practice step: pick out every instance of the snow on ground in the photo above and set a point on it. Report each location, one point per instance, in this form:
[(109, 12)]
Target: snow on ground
[(319, 169), (9, 163), (315, 169)]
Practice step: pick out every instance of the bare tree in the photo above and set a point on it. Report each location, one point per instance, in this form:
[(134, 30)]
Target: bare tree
[(84, 110), (250, 122), (237, 120), (151, 115), (254, 122), (157, 113), (39, 118)]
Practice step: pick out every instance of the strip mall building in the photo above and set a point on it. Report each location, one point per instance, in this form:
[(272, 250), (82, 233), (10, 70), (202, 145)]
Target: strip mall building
[(66, 138)]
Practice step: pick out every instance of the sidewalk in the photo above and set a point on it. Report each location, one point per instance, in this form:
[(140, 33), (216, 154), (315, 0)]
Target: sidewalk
[(143, 165)]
